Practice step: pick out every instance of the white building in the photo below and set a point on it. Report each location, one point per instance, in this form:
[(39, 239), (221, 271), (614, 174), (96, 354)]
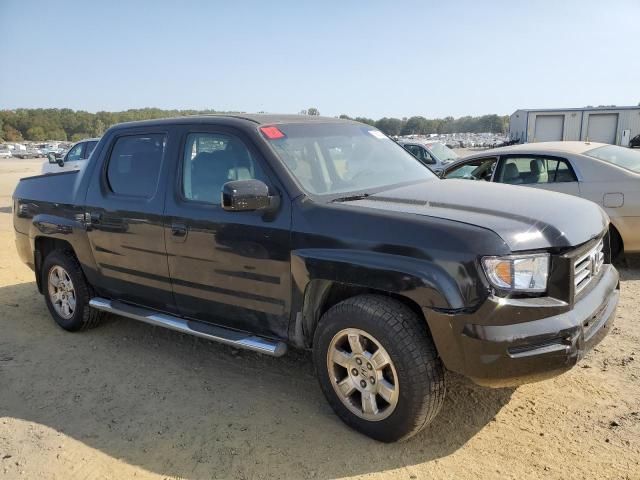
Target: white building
[(615, 125)]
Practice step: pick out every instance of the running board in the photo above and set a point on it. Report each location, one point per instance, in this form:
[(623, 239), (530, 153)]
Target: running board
[(192, 327)]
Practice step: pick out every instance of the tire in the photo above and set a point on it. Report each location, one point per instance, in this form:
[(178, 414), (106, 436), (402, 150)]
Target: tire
[(64, 265), (414, 369)]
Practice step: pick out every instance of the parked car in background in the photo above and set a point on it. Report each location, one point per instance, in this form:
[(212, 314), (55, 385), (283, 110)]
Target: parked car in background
[(608, 175), (28, 153), (271, 231), (74, 159), (634, 142), (434, 155), (5, 152)]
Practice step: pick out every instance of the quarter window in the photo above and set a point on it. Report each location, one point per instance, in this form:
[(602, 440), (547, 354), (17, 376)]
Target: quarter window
[(210, 161), (535, 170), (134, 164)]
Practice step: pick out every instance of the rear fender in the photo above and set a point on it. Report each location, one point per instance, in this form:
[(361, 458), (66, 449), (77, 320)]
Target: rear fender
[(72, 231)]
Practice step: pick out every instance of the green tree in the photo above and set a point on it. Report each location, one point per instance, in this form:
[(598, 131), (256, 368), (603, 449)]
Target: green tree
[(98, 127), (76, 137), (390, 126), (12, 134), (36, 133), (415, 126), (368, 121), (313, 111)]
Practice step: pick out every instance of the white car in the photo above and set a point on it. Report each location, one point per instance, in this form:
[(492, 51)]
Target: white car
[(75, 158), (605, 174)]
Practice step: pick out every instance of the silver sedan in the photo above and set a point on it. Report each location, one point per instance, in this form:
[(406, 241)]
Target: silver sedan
[(605, 174)]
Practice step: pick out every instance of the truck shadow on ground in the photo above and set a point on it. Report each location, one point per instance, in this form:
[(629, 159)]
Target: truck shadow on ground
[(629, 267), (179, 406)]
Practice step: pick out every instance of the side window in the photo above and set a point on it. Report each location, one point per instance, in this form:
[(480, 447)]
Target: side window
[(75, 153), (210, 161), (420, 153), (560, 171), (535, 170), (89, 149), (134, 164), (481, 169)]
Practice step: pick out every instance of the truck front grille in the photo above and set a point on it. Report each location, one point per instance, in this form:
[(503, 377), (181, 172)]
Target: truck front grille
[(587, 266)]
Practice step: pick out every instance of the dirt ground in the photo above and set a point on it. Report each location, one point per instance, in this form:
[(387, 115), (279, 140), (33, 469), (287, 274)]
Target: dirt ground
[(129, 400)]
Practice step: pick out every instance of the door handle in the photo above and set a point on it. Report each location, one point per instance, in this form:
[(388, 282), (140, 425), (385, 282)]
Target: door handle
[(178, 230)]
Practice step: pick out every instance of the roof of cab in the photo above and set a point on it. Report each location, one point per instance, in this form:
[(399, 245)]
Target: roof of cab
[(235, 118)]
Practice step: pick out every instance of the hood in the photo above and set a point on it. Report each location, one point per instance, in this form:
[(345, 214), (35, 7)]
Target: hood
[(525, 218)]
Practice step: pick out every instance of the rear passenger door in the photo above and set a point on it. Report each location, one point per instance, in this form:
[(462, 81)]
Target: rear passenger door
[(538, 171), (124, 212), (227, 268)]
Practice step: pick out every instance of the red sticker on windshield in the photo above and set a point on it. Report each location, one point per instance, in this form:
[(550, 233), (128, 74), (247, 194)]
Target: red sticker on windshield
[(272, 133)]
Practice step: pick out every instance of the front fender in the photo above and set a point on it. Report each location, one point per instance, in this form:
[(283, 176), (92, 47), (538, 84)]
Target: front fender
[(423, 281)]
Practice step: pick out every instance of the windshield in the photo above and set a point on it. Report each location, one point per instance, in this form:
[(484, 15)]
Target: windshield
[(622, 157), (341, 157), (442, 152)]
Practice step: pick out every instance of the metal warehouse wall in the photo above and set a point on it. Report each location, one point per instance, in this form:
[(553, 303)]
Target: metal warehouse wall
[(572, 122), (627, 120), (518, 125), (576, 122)]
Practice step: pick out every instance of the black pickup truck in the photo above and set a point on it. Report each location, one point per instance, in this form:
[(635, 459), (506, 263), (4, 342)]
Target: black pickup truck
[(268, 232)]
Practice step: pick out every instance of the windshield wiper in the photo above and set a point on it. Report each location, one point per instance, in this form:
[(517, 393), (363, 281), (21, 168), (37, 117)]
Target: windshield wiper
[(352, 198)]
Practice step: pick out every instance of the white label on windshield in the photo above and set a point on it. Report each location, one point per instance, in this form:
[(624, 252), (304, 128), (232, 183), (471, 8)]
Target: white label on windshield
[(377, 134)]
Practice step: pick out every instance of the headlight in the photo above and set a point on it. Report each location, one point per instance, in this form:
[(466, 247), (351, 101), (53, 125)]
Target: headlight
[(521, 273)]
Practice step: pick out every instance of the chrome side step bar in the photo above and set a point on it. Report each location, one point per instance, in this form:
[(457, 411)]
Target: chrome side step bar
[(192, 327)]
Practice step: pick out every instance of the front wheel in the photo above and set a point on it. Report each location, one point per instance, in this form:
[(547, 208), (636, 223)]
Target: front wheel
[(378, 367)]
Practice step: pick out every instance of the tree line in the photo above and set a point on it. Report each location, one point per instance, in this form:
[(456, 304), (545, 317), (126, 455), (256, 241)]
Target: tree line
[(39, 124), (423, 126)]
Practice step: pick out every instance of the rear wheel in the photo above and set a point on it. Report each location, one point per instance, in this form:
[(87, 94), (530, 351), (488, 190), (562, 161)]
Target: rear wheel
[(67, 292), (378, 367)]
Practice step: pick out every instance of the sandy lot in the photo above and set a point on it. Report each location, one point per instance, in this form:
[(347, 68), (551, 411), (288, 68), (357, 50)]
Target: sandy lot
[(130, 400)]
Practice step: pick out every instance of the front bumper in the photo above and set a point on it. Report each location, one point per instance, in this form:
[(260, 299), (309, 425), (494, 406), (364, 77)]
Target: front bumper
[(513, 341)]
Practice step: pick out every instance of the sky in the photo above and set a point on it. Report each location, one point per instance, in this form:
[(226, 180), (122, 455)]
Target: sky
[(361, 58)]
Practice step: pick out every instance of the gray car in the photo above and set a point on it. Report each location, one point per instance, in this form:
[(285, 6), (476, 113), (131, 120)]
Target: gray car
[(435, 155), (605, 174)]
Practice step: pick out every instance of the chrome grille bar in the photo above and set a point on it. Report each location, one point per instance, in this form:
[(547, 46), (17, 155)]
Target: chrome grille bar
[(587, 266)]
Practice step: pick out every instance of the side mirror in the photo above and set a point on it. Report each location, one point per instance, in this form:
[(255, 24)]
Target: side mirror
[(52, 158), (247, 196)]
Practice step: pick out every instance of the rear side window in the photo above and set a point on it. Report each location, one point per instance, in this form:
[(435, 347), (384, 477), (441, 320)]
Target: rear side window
[(89, 149), (536, 170), (134, 164)]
